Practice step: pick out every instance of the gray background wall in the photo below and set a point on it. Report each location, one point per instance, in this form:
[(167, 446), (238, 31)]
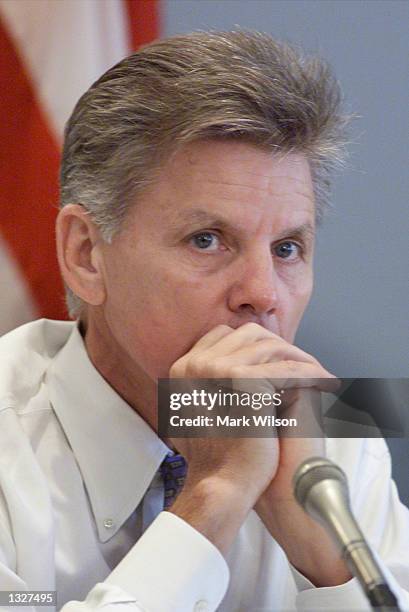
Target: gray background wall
[(357, 323)]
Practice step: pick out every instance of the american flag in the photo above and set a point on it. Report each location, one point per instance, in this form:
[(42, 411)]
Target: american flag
[(50, 53)]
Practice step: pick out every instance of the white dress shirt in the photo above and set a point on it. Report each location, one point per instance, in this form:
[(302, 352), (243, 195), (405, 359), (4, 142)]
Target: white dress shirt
[(79, 485)]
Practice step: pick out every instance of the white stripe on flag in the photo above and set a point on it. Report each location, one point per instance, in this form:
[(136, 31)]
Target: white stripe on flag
[(66, 46)]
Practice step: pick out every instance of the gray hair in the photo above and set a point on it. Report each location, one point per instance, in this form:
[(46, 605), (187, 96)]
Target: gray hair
[(206, 85)]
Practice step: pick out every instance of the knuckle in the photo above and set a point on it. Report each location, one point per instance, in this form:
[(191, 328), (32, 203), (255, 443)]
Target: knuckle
[(198, 366), (272, 344), (176, 370), (211, 370), (237, 371), (219, 368), (223, 327), (251, 326), (292, 365)]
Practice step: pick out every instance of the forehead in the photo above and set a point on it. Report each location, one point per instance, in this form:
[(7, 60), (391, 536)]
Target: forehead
[(238, 164), (238, 180)]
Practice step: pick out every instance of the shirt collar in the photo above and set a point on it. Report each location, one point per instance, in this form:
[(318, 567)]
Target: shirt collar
[(117, 452)]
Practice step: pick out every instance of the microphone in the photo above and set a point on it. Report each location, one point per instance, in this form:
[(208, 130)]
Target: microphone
[(321, 489)]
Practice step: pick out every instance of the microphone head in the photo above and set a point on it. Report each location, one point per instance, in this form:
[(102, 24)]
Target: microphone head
[(312, 471)]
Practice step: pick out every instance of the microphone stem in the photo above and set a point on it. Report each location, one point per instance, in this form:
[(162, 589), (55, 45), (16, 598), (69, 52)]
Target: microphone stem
[(382, 599), (362, 563), (321, 488)]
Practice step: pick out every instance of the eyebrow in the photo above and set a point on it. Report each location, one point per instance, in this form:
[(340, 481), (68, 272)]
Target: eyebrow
[(198, 216), (305, 230)]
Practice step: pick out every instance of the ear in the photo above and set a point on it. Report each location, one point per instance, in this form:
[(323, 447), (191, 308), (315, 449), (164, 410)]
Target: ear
[(80, 255)]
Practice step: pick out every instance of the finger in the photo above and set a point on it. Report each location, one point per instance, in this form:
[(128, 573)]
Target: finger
[(220, 341), (263, 351), (242, 337), (211, 338), (290, 375), (178, 369)]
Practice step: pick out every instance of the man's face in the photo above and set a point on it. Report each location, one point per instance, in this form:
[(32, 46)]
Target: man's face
[(225, 236)]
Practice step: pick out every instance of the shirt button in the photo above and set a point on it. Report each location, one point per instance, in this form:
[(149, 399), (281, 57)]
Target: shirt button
[(201, 606), (108, 523)]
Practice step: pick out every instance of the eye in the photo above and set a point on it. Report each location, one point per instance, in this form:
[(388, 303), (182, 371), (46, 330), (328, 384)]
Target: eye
[(205, 241), (287, 250)]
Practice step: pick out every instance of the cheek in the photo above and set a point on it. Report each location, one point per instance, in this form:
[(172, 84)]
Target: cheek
[(294, 300), (157, 315)]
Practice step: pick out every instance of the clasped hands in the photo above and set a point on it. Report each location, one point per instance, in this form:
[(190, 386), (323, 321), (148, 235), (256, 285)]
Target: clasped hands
[(228, 477)]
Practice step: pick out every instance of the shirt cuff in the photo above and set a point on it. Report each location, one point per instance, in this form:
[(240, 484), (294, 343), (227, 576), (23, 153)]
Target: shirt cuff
[(347, 596), (172, 568)]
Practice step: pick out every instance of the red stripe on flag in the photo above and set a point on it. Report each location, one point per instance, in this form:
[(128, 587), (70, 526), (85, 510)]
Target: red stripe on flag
[(29, 160), (144, 21)]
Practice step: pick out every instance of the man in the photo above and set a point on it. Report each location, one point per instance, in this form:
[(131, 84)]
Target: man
[(193, 175)]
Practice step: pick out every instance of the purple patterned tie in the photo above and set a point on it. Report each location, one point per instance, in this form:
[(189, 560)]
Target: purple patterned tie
[(173, 470)]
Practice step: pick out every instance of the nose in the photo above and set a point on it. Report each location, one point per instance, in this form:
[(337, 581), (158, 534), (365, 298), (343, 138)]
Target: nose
[(254, 287)]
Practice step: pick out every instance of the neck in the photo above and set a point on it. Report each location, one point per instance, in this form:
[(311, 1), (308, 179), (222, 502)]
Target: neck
[(131, 382)]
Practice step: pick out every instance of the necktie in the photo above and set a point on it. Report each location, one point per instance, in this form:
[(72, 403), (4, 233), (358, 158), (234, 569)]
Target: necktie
[(173, 470)]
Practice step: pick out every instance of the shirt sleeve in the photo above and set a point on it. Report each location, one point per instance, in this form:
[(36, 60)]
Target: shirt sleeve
[(384, 521), (172, 568)]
